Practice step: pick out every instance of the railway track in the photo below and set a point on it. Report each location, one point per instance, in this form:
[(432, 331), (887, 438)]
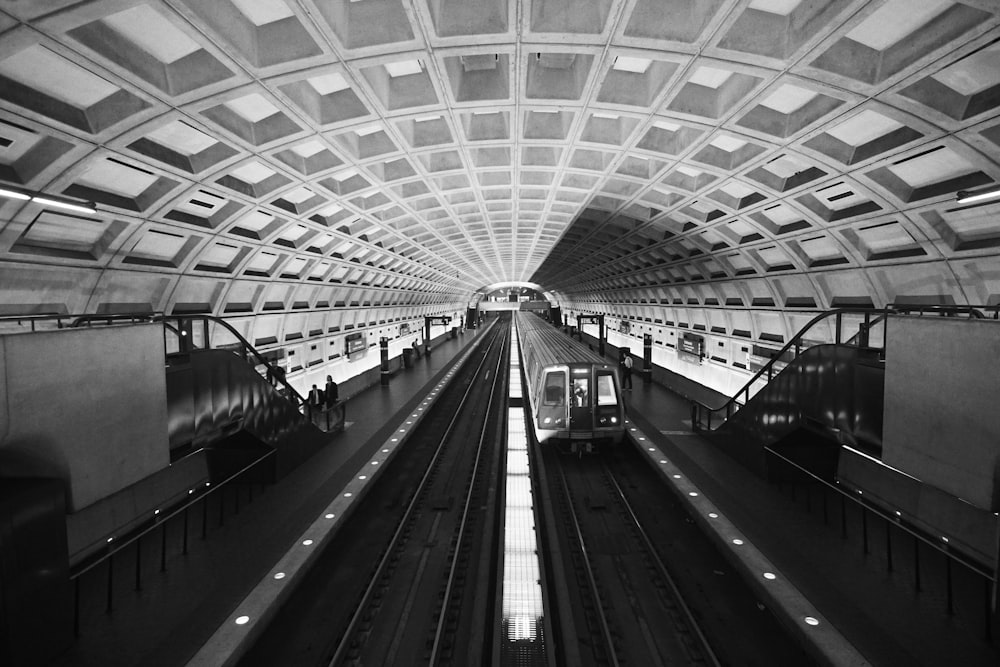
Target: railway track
[(639, 585), (393, 587)]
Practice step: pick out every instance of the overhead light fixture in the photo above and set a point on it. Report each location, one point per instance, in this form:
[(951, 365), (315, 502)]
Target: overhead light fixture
[(48, 200), (967, 197), (14, 194)]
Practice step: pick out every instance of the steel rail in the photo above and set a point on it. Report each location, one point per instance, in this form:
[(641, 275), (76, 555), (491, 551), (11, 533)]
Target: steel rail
[(362, 606), (499, 383), (588, 566), (689, 616)]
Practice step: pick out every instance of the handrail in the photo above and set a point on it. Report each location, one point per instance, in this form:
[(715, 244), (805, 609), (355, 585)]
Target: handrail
[(155, 316), (35, 317), (920, 535), (245, 347), (796, 343), (860, 339), (161, 519), (110, 318)]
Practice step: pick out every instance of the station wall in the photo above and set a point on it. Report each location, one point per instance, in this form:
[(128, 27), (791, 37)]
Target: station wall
[(84, 405), (942, 425)]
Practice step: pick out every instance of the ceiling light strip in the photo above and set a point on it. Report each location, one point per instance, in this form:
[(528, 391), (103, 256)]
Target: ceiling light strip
[(48, 200), (965, 197)]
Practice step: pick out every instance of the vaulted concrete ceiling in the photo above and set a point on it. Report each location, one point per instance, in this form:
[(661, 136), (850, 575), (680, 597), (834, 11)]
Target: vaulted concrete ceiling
[(282, 155)]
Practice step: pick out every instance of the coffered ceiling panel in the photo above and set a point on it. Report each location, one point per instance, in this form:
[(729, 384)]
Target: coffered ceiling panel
[(623, 151)]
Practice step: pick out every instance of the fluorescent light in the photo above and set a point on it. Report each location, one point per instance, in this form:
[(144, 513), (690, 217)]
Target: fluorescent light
[(965, 197), (629, 64), (14, 194), (403, 68), (79, 208)]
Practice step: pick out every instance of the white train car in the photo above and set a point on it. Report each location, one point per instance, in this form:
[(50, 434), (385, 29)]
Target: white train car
[(574, 394)]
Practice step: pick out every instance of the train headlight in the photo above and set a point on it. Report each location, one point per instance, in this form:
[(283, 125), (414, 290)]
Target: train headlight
[(547, 420), (614, 420)]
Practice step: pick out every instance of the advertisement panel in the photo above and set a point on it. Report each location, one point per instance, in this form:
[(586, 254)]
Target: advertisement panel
[(691, 346), (355, 346)]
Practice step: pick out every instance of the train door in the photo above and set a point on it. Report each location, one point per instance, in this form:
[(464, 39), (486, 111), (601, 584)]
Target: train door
[(581, 413)]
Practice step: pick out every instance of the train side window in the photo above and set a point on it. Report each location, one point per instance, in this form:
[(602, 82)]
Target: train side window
[(606, 394), (555, 388)]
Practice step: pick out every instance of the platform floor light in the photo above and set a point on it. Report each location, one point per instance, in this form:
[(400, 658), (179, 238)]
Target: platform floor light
[(968, 197), (48, 200)]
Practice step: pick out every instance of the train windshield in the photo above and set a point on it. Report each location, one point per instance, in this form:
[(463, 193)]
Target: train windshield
[(555, 388), (581, 392), (606, 394)]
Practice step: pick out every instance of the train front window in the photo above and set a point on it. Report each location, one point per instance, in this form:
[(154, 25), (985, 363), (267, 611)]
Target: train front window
[(555, 388), (581, 392), (606, 394)]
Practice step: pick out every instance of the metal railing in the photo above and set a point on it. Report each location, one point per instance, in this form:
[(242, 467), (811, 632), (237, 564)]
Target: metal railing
[(66, 320), (952, 558), (159, 524), (867, 320), (327, 418)]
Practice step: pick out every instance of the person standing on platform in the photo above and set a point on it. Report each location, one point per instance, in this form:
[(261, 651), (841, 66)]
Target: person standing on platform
[(332, 392), (627, 372), (314, 400)]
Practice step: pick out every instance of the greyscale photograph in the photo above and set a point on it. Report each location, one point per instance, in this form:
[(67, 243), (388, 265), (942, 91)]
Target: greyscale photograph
[(499, 333)]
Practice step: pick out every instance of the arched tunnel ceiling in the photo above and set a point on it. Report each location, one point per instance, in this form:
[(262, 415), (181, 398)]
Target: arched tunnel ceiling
[(251, 155)]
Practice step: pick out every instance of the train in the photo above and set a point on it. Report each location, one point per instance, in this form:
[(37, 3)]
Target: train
[(573, 393)]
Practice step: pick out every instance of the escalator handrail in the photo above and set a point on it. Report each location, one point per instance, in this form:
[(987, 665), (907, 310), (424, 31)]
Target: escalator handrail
[(157, 316), (975, 312), (793, 342), (244, 343), (110, 318)]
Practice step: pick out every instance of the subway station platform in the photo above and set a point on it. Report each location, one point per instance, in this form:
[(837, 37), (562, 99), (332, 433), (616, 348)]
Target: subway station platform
[(180, 611), (876, 611)]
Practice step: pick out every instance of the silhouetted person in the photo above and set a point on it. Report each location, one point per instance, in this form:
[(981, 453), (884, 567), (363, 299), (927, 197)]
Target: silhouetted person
[(332, 393)]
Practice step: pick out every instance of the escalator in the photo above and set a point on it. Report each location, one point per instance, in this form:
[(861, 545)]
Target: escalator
[(830, 395), (228, 399), (807, 402)]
